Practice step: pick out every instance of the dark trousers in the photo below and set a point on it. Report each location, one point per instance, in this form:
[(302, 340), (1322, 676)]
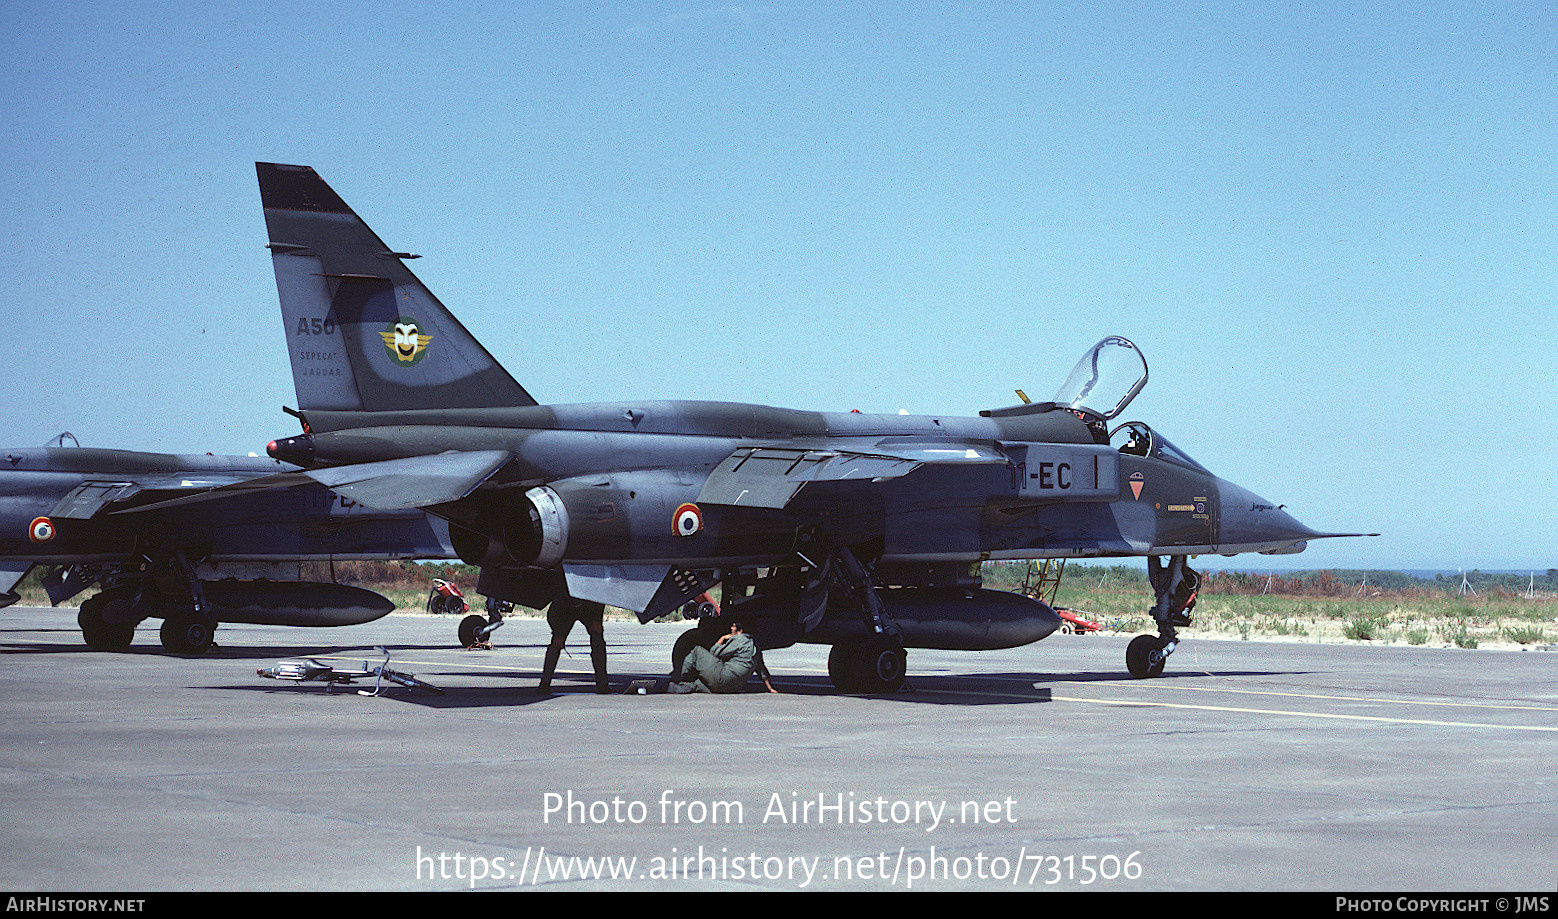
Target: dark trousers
[(561, 615)]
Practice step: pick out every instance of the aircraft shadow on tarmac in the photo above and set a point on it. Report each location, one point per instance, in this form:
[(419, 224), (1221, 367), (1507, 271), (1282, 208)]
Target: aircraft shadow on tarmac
[(146, 643), (360, 651), (940, 689), (68, 640), (1120, 676), (457, 698), (518, 688)]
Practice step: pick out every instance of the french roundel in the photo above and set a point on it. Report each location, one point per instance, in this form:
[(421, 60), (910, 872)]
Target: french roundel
[(688, 520), (40, 530)]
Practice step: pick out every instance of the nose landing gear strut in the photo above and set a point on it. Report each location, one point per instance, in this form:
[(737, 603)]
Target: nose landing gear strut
[(1175, 585)]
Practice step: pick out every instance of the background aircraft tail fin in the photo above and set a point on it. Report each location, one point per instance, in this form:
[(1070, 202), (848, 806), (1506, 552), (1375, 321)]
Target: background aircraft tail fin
[(362, 332)]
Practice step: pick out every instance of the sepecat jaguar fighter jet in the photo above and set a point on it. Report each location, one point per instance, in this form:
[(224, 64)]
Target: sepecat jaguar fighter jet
[(863, 532)]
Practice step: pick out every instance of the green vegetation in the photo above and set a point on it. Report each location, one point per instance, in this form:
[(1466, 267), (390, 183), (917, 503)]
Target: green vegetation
[(1365, 628), (1526, 635), (1376, 606)]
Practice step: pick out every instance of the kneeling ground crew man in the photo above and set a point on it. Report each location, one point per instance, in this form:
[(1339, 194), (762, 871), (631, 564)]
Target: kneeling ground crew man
[(723, 668)]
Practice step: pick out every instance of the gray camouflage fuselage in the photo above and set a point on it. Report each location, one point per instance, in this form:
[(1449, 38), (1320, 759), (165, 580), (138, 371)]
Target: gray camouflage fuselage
[(1061, 499), (818, 525)]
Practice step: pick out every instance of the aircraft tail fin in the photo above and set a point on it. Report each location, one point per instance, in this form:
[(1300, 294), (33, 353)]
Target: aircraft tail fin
[(362, 332)]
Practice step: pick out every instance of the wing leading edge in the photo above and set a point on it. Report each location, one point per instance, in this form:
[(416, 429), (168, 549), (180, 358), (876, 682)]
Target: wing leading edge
[(388, 485), (770, 476)]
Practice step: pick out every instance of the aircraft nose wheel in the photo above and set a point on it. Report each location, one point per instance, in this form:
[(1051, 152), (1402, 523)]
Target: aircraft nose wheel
[(1146, 655), (468, 629)]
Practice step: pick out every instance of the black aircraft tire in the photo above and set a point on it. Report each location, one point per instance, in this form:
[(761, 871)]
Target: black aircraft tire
[(841, 667), (185, 635), (100, 635), (685, 642), (1138, 657), (880, 665), (468, 627)]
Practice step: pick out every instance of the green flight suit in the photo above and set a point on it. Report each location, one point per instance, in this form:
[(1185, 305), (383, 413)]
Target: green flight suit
[(724, 669)]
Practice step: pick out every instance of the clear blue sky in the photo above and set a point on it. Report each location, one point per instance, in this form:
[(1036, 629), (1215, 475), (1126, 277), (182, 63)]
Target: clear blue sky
[(1332, 228)]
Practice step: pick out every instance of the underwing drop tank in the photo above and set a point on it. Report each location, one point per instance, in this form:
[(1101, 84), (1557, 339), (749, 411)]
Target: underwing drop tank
[(945, 619), (301, 603)]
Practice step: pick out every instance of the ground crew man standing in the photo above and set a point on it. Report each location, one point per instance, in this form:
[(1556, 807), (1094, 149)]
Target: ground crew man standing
[(561, 615)]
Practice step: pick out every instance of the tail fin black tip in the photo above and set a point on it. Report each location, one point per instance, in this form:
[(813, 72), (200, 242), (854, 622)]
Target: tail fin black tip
[(297, 188)]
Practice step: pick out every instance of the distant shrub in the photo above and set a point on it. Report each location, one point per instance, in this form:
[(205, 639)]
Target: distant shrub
[(1526, 635), (1365, 628)]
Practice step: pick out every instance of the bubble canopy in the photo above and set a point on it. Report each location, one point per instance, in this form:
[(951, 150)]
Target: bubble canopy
[(1106, 379)]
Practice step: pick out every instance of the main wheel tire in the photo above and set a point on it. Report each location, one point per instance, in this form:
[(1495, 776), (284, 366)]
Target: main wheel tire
[(1139, 657), (186, 635), (841, 666), (685, 642), (880, 665), (98, 634)]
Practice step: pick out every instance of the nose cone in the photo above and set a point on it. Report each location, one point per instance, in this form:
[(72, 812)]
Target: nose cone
[(1250, 523)]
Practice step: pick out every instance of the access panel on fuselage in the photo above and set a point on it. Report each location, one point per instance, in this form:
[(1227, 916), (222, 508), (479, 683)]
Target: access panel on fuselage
[(1184, 502)]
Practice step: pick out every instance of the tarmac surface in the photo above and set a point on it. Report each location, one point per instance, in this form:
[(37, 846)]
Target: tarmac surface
[(1248, 766)]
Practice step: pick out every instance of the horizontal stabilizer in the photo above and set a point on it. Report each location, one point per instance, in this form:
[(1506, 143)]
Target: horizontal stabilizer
[(146, 490), (11, 574), (413, 482), (207, 492)]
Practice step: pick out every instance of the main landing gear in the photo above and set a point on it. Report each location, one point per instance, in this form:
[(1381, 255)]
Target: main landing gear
[(187, 633), (101, 633), (873, 664), (109, 617), (876, 662)]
